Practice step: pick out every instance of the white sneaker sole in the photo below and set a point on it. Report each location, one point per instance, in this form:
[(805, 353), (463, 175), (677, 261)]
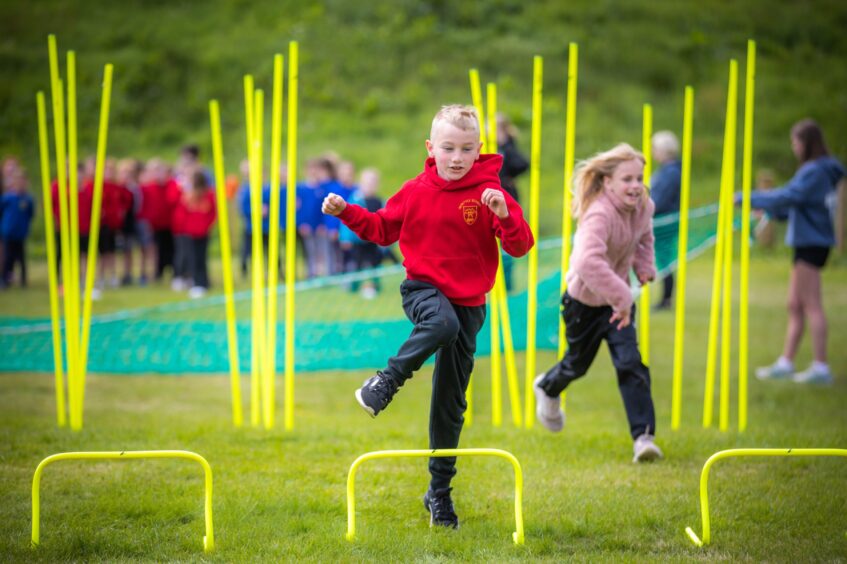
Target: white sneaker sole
[(553, 425), (365, 406), (647, 454)]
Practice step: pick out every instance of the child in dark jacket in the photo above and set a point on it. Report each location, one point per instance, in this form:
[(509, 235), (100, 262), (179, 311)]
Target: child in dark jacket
[(447, 220), (17, 209)]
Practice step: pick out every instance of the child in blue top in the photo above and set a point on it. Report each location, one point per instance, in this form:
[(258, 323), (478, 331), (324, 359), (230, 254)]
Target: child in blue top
[(17, 209), (805, 201)]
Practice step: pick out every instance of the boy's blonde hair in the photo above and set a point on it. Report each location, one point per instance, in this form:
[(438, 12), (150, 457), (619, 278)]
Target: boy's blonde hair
[(457, 115), (589, 175)]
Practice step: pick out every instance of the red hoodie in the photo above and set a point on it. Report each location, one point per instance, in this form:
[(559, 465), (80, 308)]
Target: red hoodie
[(154, 205), (195, 217), (84, 206), (447, 235), (117, 201)]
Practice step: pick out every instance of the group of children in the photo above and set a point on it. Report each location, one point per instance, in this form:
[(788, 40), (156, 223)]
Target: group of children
[(167, 212), (328, 246)]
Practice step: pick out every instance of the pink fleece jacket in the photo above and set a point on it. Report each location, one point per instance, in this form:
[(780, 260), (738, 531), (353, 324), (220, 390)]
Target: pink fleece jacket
[(609, 242)]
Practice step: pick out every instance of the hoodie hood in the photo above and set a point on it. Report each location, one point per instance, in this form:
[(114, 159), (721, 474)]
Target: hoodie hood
[(485, 169), (832, 168)]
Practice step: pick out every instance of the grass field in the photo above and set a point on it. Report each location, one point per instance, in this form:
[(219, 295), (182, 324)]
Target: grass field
[(281, 496)]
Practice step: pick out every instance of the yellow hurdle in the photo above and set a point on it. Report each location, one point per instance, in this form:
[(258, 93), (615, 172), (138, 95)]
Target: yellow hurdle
[(290, 241), (682, 259), (644, 304), (737, 452), (532, 267), (50, 241), (273, 243), (746, 182), (226, 261), (208, 540), (517, 536)]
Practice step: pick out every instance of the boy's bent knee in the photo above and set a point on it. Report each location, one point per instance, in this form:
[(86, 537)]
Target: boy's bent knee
[(445, 329)]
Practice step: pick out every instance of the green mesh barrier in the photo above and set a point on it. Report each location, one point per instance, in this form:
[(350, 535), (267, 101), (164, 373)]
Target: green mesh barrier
[(335, 327)]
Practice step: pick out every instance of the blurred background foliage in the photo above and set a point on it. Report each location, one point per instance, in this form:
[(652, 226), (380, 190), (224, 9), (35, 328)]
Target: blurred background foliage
[(373, 73)]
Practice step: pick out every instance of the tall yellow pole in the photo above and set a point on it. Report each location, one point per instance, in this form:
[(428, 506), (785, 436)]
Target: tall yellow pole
[(94, 233), (726, 324), (57, 96), (534, 198), (746, 184), (50, 240), (494, 296), (255, 358), (72, 289), (570, 134), (714, 310), (644, 304), (226, 261), (290, 241), (682, 268), (273, 244), (476, 96), (500, 294), (257, 176)]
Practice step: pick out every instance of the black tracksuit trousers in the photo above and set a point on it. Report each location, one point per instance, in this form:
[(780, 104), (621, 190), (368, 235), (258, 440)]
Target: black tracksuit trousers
[(585, 328), (449, 331)]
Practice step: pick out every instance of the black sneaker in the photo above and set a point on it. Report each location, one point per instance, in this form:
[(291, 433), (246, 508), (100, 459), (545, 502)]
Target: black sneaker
[(440, 508), (376, 393)]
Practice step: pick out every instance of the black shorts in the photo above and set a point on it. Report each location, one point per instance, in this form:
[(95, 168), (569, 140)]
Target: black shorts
[(815, 256)]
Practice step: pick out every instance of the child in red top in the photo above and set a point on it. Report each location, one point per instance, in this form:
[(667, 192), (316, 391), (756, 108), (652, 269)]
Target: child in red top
[(194, 214), (447, 220)]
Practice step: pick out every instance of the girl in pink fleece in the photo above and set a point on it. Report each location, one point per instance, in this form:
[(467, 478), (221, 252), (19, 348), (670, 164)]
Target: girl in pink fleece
[(614, 236)]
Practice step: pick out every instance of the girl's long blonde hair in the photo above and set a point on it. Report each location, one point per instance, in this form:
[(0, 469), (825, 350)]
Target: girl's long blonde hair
[(589, 175)]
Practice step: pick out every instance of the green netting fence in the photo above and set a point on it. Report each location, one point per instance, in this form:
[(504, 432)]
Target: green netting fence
[(336, 328)]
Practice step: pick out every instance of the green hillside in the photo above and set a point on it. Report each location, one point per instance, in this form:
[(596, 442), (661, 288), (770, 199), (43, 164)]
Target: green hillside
[(373, 73)]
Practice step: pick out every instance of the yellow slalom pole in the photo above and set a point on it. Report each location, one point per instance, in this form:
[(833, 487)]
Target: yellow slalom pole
[(255, 358), (273, 244), (476, 96), (257, 173), (226, 261), (644, 305), (290, 241), (494, 295), (50, 240), (682, 264), (570, 133), (534, 198), (73, 214), (717, 278), (746, 182), (57, 95), (94, 233), (726, 323)]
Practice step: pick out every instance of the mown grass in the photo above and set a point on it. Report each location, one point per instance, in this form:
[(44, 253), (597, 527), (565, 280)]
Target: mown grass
[(281, 495)]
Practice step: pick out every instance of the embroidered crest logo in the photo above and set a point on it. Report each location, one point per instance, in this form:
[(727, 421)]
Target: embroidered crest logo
[(470, 211)]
